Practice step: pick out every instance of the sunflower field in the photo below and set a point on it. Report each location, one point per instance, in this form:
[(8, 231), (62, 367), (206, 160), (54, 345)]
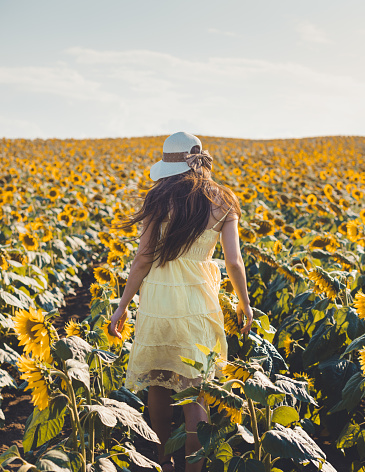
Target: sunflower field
[(292, 388)]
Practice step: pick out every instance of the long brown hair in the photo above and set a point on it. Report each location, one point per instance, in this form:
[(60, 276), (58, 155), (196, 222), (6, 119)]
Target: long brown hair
[(188, 196)]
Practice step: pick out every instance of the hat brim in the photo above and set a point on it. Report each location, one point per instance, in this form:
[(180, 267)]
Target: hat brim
[(164, 169)]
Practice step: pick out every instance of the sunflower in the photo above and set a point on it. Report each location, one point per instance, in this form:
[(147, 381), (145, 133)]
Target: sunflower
[(214, 395), (247, 235), (299, 233), (34, 333), (53, 194), (278, 246), (114, 259), (29, 242), (311, 199), (231, 326), (357, 194), (279, 222), (288, 273), (362, 360), (319, 242), (288, 230), (47, 235), (104, 276), (16, 215), (360, 304), (343, 228), (33, 373), (73, 328), (114, 340), (304, 377), (65, 217), (119, 248), (344, 204), (266, 228), (325, 283), (81, 214), (233, 371), (17, 256), (3, 262), (105, 238), (328, 190), (226, 285), (347, 264), (354, 230), (362, 215), (130, 232), (288, 345), (96, 291)]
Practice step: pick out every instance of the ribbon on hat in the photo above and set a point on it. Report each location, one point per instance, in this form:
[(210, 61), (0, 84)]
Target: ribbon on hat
[(196, 161)]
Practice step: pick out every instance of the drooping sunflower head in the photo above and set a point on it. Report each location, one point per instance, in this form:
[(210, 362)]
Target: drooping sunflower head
[(73, 328), (302, 376), (29, 242), (126, 333), (266, 227), (247, 235), (319, 242), (96, 291), (18, 257), (119, 248), (362, 360), (360, 304), (231, 326), (35, 333), (47, 235), (65, 217), (105, 238), (226, 285), (235, 370), (277, 247), (227, 402), (354, 230), (288, 345), (325, 283), (3, 261), (34, 373), (104, 276)]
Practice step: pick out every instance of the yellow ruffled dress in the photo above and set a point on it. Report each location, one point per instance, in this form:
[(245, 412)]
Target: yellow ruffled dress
[(178, 308)]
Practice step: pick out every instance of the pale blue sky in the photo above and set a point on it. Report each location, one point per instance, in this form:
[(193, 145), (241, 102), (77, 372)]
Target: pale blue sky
[(235, 68)]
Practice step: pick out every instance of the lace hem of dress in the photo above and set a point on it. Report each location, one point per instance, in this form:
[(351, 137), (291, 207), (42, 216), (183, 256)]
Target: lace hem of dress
[(162, 378)]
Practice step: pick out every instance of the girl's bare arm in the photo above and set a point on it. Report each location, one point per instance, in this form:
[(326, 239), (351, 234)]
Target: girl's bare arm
[(140, 267), (236, 269)]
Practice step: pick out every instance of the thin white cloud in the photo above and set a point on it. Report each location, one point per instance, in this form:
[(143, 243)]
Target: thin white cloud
[(58, 80), (310, 32)]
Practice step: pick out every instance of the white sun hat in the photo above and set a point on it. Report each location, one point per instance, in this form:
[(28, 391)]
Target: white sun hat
[(176, 154)]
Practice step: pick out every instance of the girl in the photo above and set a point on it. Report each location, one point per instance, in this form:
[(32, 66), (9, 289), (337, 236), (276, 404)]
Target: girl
[(183, 214)]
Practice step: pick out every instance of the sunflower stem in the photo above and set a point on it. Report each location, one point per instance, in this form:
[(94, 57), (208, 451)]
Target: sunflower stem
[(72, 398), (91, 427), (100, 365), (268, 427), (92, 436), (255, 431)]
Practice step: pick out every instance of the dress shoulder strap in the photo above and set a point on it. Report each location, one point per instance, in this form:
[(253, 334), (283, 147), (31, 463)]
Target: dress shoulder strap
[(229, 209)]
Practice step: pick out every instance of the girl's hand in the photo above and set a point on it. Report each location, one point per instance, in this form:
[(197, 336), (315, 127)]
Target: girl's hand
[(244, 309), (117, 322)]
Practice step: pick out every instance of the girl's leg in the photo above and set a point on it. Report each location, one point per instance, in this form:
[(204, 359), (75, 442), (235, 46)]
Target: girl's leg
[(160, 411), (193, 414)]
